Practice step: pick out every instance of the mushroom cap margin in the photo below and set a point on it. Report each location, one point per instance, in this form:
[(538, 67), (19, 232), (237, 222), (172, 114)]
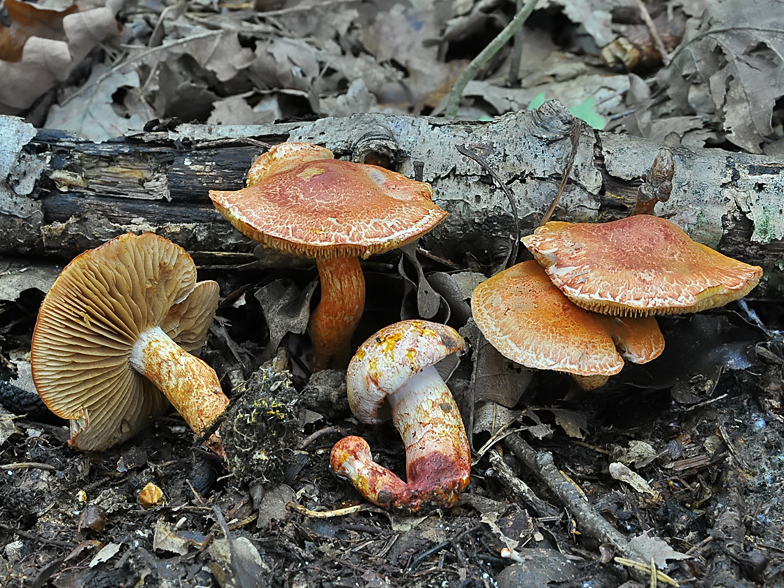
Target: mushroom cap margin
[(386, 361), (638, 266), (300, 204), (88, 323)]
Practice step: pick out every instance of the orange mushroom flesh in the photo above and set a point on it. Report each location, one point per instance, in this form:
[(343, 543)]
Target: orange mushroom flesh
[(105, 345), (301, 200), (398, 371), (638, 266), (527, 319)]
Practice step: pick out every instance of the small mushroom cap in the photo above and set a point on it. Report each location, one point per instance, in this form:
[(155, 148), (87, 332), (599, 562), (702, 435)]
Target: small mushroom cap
[(530, 321), (386, 361), (638, 266), (301, 200), (90, 320), (638, 340)]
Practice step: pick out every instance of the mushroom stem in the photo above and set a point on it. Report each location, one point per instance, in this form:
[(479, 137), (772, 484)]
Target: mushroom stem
[(190, 384), (438, 458), (342, 302)]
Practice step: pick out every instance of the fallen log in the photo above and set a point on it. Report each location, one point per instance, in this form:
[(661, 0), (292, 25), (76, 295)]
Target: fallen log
[(61, 194)]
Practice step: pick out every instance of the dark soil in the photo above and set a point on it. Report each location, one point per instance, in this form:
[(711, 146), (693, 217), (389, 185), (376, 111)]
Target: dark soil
[(713, 462)]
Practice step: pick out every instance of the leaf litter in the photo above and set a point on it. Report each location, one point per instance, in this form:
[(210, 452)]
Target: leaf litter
[(689, 430)]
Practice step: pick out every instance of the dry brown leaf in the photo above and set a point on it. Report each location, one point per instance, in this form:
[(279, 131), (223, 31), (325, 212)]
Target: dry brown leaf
[(730, 69), (45, 61), (28, 20), (93, 113)]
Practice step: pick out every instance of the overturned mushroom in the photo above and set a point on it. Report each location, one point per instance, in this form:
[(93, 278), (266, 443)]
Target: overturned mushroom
[(301, 200), (638, 266), (527, 319), (105, 344), (398, 371)]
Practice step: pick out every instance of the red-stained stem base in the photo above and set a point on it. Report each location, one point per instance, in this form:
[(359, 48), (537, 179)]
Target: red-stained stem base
[(342, 302), (190, 384), (438, 457)]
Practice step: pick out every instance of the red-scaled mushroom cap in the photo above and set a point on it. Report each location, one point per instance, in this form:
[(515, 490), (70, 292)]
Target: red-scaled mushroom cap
[(301, 200), (530, 321), (638, 266), (385, 362)]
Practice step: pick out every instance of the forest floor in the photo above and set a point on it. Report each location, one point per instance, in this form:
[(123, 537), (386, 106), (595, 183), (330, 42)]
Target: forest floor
[(684, 457)]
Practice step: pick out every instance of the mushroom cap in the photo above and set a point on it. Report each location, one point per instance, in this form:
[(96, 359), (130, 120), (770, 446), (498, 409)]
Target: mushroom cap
[(525, 317), (638, 266), (386, 361), (90, 320), (301, 200), (638, 340)]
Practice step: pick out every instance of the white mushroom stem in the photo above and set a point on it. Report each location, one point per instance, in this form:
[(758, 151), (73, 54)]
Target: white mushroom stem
[(428, 420), (438, 458), (190, 384)]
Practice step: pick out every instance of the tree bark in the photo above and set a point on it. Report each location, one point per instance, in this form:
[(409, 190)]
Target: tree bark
[(60, 194)]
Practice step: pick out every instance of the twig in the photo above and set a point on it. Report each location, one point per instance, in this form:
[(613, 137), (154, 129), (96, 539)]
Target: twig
[(646, 16), (26, 464), (469, 73), (656, 575), (513, 78), (317, 435), (520, 488), (435, 549), (477, 158), (574, 137), (326, 514), (593, 524), (140, 56), (32, 537)]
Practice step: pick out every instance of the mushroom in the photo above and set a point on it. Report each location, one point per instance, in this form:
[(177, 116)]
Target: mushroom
[(527, 319), (301, 200), (106, 341), (638, 266), (398, 371)]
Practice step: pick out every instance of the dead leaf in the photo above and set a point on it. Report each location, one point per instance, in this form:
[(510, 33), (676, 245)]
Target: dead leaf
[(7, 426), (246, 568), (735, 58), (593, 15), (286, 309), (92, 114), (429, 303), (167, 539), (182, 91), (538, 567), (499, 379), (107, 553), (29, 20), (235, 110), (624, 474), (45, 61), (272, 506), (573, 423), (653, 548), (638, 453), (492, 417), (607, 92), (356, 99)]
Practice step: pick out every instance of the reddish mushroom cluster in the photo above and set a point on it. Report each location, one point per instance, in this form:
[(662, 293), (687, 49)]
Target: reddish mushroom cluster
[(602, 286)]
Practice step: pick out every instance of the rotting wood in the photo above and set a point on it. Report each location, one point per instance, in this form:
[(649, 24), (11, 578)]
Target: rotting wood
[(60, 194)]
